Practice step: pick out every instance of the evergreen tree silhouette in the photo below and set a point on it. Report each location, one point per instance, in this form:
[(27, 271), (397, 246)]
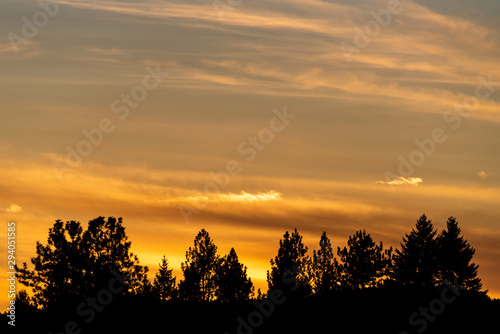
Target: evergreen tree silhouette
[(455, 256), (74, 264), (164, 283), (231, 280), (199, 269), (109, 249), (323, 271), (24, 303), (416, 263), (363, 263), (290, 266)]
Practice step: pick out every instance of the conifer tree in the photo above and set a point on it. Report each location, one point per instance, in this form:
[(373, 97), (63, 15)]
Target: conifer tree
[(164, 283), (323, 273), (455, 256), (199, 269), (415, 264), (76, 264), (363, 263), (232, 281), (289, 267)]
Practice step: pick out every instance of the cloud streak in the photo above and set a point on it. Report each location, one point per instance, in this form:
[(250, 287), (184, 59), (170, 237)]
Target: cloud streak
[(13, 208), (413, 181)]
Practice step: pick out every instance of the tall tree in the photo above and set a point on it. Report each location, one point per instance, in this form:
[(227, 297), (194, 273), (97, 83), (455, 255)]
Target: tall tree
[(231, 280), (54, 281), (363, 263), (415, 264), (289, 267), (323, 272), (74, 264), (164, 282), (455, 256), (199, 269), (109, 249)]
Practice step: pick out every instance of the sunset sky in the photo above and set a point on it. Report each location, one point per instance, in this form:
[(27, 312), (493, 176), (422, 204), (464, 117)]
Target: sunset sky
[(250, 118)]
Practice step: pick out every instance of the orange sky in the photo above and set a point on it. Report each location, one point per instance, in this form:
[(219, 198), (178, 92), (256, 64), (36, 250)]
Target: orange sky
[(254, 121)]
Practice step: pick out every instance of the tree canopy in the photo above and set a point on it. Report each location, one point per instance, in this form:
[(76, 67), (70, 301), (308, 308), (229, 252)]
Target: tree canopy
[(363, 263), (290, 266), (200, 269), (416, 263), (231, 279), (164, 282), (324, 273), (455, 256), (76, 262)]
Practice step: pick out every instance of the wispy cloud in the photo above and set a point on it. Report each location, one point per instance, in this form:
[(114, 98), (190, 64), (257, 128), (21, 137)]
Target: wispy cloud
[(13, 208), (483, 175), (421, 56), (26, 49), (225, 197), (413, 181)]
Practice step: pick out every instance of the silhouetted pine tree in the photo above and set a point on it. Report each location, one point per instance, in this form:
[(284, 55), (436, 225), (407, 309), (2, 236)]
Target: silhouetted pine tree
[(110, 250), (231, 280), (76, 264), (164, 283), (289, 267), (416, 263), (323, 272), (24, 303), (455, 256), (363, 263), (200, 268)]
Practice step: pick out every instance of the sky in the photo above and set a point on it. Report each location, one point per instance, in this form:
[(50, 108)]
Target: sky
[(249, 118)]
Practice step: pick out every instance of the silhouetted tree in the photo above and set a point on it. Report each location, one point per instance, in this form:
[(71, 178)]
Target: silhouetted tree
[(455, 256), (24, 303), (54, 280), (323, 271), (75, 264), (289, 267), (231, 280), (200, 268), (260, 295), (164, 282), (416, 263), (109, 250), (363, 263)]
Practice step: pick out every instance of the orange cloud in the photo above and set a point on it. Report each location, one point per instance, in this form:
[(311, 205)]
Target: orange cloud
[(13, 208), (414, 181)]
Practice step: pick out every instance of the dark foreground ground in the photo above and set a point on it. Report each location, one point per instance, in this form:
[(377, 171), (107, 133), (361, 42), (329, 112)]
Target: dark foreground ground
[(372, 311)]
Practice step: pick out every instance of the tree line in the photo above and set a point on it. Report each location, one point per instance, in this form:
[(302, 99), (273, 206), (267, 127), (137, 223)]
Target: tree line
[(75, 264)]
